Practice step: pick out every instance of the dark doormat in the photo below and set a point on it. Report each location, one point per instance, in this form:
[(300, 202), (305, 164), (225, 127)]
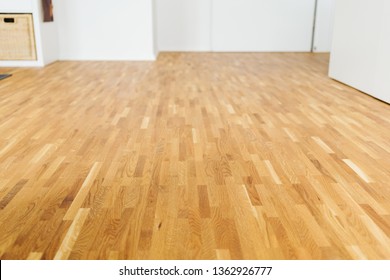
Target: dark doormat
[(3, 76)]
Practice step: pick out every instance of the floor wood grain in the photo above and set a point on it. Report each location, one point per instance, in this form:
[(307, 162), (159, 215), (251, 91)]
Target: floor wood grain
[(194, 156)]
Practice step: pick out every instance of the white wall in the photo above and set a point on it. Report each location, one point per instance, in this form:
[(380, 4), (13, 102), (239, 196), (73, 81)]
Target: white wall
[(106, 29), (155, 38), (324, 26), (12, 6), (184, 25), (48, 35), (360, 54), (382, 73)]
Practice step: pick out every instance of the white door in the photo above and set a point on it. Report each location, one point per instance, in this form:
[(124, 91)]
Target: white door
[(262, 25), (184, 25), (242, 25)]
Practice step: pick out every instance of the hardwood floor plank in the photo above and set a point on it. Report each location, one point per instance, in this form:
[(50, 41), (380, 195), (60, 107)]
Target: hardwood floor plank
[(358, 171), (71, 237), (83, 192), (34, 256)]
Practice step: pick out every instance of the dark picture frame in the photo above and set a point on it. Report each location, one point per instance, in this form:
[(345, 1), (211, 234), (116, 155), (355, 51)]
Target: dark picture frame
[(47, 10)]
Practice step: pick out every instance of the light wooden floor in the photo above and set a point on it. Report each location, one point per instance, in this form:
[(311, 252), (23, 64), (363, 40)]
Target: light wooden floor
[(195, 156)]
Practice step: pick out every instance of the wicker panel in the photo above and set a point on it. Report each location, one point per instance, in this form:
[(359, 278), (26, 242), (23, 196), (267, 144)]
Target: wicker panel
[(17, 40)]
